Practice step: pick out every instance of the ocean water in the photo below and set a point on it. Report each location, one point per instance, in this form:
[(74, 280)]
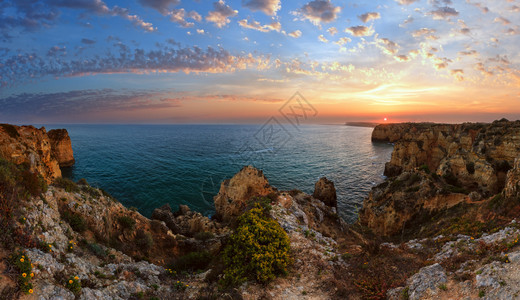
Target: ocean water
[(146, 166)]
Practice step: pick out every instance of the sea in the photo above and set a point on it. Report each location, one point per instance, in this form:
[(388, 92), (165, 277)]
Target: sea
[(146, 166)]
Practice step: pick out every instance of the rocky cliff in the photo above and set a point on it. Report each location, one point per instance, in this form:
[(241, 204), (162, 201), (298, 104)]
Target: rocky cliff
[(43, 152), (438, 166)]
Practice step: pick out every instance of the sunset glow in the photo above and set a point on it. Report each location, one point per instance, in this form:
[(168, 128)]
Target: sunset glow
[(172, 61)]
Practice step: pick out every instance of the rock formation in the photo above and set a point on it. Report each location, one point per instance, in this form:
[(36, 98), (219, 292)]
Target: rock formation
[(61, 147), (437, 166), (33, 147), (235, 193), (325, 191)]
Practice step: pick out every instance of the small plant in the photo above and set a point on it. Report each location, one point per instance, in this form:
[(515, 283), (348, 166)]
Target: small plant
[(76, 221), (179, 285), (100, 275), (70, 246), (204, 235), (481, 293), (66, 184), (425, 168), (97, 250), (144, 240), (191, 262), (405, 293), (443, 287), (24, 266), (126, 221), (346, 256), (74, 285)]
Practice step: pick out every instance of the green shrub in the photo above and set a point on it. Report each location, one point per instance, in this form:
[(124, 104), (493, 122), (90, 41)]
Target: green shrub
[(258, 249), (82, 181), (34, 183), (66, 184), (97, 250), (24, 267), (203, 235), (76, 221), (144, 240), (74, 285), (425, 168), (126, 221), (192, 261)]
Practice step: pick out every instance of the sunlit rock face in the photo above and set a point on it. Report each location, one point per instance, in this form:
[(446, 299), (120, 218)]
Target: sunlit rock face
[(62, 147), (437, 166), (33, 147)]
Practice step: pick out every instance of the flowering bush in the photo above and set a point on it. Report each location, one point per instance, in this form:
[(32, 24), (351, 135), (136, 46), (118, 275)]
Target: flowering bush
[(74, 285), (258, 249), (24, 266)]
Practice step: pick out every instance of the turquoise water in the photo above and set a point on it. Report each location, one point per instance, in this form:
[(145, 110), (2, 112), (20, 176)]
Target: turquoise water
[(147, 166)]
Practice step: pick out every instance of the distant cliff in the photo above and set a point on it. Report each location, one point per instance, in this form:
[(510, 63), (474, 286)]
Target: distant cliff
[(43, 152), (437, 166)]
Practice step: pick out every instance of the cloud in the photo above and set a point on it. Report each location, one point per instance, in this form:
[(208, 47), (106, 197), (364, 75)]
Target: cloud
[(221, 14), (78, 105), (360, 31), (322, 39), (342, 41), (444, 13), (276, 26), (502, 20), (295, 34), (406, 2), (389, 47), (179, 16), (332, 31), (25, 67), (426, 32), (269, 7), (318, 11), (88, 41), (369, 16), (159, 5)]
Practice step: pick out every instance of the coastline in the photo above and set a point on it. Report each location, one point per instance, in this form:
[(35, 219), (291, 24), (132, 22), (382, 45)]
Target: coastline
[(435, 210)]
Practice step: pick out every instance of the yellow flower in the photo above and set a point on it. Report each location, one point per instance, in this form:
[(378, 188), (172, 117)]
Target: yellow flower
[(76, 277), (32, 274), (50, 246), (70, 281), (24, 218), (30, 291), (21, 259), (24, 275)]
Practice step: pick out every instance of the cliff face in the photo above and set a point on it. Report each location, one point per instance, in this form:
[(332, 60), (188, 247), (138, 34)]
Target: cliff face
[(44, 152), (61, 147), (451, 164)]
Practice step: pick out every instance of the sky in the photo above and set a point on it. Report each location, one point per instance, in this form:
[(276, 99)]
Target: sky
[(206, 61)]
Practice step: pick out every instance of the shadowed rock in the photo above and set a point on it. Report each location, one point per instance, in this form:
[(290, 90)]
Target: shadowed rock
[(325, 191)]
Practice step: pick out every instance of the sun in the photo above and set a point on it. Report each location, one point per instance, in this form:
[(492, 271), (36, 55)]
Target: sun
[(385, 119)]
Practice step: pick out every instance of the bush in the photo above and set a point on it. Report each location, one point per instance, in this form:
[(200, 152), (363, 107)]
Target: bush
[(425, 168), (66, 184), (76, 221), (192, 261), (34, 183), (144, 240), (23, 264), (97, 250), (74, 285), (258, 249), (203, 235), (126, 221)]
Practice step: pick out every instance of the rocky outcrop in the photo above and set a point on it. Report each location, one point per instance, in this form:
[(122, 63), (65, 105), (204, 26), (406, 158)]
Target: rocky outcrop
[(478, 155), (512, 189), (61, 147), (235, 193), (325, 191), (30, 146), (437, 166)]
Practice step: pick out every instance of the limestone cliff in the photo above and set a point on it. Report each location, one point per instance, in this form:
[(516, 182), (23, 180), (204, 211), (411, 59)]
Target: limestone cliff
[(62, 147), (35, 148), (437, 166)]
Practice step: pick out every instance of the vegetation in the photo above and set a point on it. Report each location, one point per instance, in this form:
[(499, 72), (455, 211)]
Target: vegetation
[(66, 184), (192, 261), (204, 235), (24, 267), (76, 221), (126, 221), (144, 240), (74, 285), (258, 249)]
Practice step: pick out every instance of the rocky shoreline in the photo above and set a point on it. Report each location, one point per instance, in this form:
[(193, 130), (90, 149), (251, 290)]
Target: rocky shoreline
[(442, 226)]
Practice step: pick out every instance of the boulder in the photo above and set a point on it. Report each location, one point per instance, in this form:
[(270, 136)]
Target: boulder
[(235, 193), (325, 191)]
